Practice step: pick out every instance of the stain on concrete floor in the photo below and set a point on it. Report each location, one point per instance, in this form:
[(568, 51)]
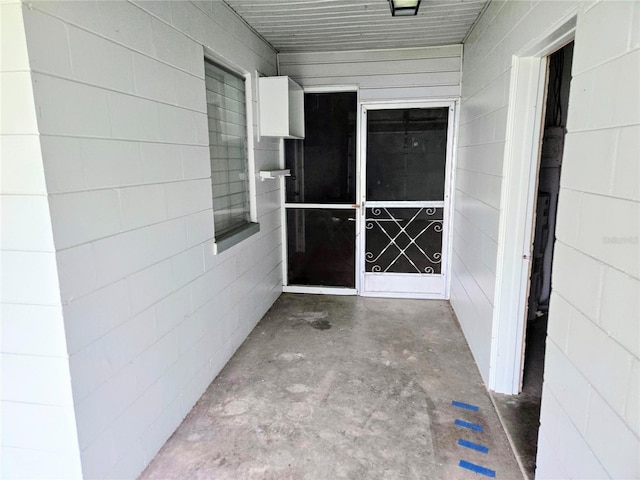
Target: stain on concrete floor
[(368, 398)]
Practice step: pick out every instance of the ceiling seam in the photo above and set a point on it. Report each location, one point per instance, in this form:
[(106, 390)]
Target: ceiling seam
[(475, 22)]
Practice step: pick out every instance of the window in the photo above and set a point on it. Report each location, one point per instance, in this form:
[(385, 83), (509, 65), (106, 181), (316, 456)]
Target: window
[(227, 117)]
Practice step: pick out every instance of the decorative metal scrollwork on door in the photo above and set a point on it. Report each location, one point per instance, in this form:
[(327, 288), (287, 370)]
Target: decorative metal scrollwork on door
[(404, 240)]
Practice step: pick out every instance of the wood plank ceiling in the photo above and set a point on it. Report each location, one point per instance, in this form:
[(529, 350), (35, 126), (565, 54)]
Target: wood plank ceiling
[(333, 25)]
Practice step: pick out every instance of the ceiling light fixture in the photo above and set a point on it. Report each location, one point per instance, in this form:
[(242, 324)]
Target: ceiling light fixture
[(404, 8)]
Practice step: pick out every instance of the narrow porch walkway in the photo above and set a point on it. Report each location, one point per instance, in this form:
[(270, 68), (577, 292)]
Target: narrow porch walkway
[(329, 387)]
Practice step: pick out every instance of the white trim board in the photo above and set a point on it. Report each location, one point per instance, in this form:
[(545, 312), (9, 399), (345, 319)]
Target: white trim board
[(520, 172)]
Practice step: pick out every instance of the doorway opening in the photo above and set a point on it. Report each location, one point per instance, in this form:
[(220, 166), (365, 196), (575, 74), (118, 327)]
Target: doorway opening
[(521, 414)]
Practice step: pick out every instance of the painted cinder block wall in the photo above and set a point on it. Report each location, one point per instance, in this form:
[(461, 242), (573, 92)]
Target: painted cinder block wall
[(590, 422), (85, 108), (37, 422), (138, 315)]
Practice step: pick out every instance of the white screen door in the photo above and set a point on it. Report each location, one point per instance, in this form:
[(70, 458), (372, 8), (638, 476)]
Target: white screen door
[(405, 168)]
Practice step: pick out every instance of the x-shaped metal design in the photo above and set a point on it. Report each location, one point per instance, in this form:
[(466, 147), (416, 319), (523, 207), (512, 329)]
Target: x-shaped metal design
[(437, 256)]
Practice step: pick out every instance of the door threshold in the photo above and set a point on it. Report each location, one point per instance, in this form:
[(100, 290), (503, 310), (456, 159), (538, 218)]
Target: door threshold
[(407, 295), (319, 290)]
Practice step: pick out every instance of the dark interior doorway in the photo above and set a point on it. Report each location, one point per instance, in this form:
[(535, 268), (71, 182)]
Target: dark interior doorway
[(521, 413)]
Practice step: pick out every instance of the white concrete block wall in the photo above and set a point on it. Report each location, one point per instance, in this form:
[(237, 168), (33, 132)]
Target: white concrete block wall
[(38, 435), (590, 422), (150, 314), (601, 176)]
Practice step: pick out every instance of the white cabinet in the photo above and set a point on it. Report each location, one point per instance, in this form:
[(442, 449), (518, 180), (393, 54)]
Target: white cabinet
[(281, 106)]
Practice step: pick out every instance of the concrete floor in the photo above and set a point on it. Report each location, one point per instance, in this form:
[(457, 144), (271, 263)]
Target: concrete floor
[(330, 387)]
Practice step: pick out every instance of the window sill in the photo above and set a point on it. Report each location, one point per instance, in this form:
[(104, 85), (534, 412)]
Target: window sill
[(234, 237)]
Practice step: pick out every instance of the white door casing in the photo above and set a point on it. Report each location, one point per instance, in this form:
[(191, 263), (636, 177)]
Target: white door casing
[(518, 199)]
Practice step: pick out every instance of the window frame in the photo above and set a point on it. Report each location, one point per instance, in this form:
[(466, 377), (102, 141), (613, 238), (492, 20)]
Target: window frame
[(243, 232)]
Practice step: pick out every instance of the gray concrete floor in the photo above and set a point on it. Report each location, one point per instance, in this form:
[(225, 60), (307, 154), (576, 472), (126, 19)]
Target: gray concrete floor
[(330, 387)]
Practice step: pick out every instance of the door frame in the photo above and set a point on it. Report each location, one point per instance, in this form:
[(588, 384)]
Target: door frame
[(525, 117), (312, 289), (447, 251)]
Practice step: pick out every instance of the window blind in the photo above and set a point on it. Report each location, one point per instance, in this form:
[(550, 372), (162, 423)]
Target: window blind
[(226, 111)]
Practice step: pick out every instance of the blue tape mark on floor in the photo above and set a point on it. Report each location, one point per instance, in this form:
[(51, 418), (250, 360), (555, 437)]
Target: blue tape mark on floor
[(469, 425), (477, 468), (466, 406), (473, 446)]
